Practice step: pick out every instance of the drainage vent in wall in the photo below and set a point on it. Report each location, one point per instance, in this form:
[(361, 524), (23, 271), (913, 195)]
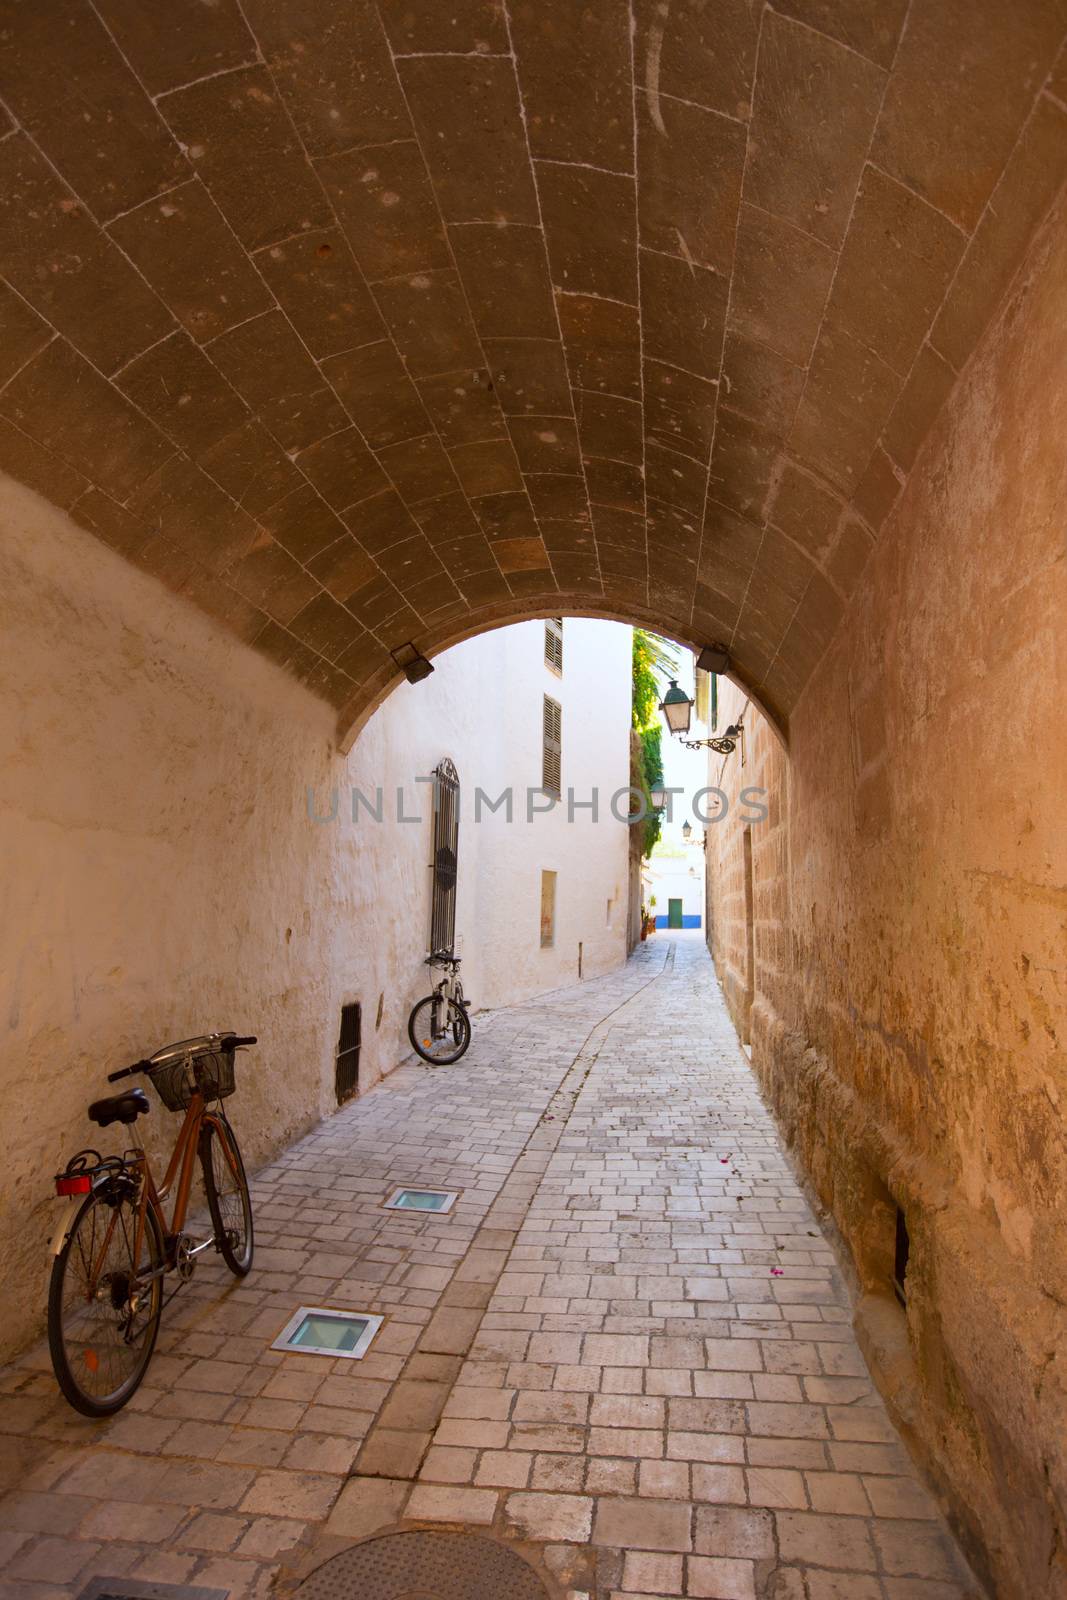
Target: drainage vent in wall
[(439, 1200), (346, 1074), (900, 1259), (323, 1331)]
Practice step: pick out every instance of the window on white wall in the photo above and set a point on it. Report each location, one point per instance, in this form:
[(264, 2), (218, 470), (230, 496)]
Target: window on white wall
[(548, 910), (552, 747), (554, 645)]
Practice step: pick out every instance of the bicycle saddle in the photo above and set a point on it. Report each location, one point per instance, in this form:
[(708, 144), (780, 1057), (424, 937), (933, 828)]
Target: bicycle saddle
[(119, 1108)]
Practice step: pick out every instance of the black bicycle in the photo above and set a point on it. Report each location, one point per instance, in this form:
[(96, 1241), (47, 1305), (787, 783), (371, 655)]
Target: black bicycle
[(439, 1027)]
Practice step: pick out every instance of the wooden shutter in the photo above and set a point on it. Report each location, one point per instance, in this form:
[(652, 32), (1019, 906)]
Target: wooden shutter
[(554, 644), (702, 696), (552, 747)]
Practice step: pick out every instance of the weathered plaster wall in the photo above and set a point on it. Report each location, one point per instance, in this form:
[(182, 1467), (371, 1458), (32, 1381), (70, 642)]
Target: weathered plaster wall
[(160, 874), (909, 912)]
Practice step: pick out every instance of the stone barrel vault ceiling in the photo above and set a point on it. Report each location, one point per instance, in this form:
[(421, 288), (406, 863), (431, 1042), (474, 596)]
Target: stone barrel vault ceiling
[(359, 324)]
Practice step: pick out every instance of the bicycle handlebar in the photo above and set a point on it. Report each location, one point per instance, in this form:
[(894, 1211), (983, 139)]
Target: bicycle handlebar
[(127, 1072), (231, 1042)]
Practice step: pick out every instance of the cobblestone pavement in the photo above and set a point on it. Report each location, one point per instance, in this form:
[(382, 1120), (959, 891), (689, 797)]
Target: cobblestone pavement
[(627, 1347)]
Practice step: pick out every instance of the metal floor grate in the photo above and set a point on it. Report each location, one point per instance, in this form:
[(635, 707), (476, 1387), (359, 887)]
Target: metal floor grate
[(433, 1566), (130, 1589)]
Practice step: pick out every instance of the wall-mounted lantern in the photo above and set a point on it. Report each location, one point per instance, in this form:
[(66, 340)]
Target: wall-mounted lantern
[(677, 711)]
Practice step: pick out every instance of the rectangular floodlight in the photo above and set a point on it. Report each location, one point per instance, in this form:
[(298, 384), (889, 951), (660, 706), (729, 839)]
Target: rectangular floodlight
[(437, 1200), (324, 1331)]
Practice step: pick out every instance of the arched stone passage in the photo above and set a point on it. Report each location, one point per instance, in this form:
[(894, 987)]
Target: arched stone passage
[(378, 690), (354, 331), (362, 324)]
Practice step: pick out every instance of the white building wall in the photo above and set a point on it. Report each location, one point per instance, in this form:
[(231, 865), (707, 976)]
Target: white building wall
[(677, 875), (483, 708)]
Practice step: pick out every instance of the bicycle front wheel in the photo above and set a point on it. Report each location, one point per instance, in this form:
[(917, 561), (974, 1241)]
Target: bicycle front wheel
[(439, 1030), (103, 1305), (228, 1199)]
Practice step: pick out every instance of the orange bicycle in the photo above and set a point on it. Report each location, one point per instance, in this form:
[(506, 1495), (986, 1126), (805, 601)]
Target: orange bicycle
[(113, 1248)]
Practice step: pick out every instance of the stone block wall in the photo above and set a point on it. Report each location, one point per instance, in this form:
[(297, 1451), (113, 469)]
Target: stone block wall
[(909, 1012)]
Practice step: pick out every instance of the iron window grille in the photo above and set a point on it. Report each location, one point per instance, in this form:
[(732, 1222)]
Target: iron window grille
[(445, 857), (552, 748), (554, 644)]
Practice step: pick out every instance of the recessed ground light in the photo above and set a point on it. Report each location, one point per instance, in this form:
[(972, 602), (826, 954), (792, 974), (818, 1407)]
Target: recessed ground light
[(322, 1331), (439, 1200)]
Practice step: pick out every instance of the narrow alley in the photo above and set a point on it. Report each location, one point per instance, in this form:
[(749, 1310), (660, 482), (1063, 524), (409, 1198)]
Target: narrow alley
[(626, 1351)]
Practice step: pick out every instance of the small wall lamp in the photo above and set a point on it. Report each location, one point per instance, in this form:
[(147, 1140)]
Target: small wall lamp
[(714, 658), (411, 662), (677, 709)]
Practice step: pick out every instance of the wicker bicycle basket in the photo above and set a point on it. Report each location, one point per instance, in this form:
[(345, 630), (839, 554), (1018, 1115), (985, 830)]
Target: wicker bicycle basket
[(177, 1081)]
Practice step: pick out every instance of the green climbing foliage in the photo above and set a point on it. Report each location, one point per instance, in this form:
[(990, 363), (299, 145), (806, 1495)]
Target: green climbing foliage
[(652, 657)]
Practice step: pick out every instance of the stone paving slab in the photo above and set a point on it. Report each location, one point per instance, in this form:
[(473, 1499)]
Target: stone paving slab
[(627, 1347)]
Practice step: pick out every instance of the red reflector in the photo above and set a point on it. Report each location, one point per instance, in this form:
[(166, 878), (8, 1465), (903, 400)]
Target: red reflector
[(79, 1185)]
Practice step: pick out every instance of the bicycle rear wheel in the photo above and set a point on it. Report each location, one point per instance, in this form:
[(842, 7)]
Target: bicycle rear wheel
[(103, 1316), (439, 1029), (228, 1199)]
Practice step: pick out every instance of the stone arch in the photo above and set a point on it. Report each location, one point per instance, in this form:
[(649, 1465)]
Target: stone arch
[(354, 717), (352, 365)]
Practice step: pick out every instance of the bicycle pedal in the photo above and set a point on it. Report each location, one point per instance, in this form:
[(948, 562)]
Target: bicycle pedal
[(186, 1259)]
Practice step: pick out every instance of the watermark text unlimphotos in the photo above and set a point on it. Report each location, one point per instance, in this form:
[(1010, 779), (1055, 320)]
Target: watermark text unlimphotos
[(627, 805)]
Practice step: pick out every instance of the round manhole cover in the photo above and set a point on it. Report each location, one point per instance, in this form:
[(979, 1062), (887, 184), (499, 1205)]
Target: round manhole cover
[(425, 1566)]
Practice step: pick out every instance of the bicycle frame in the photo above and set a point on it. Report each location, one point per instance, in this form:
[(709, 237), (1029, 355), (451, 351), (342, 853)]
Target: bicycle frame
[(448, 988), (180, 1171)]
